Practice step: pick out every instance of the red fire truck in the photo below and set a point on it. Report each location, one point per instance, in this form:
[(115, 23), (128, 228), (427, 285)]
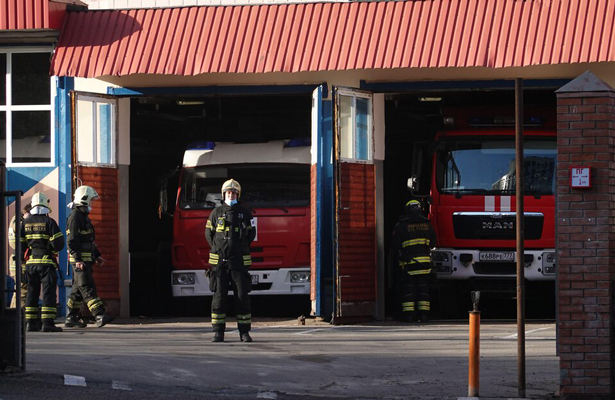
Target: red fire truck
[(473, 210), (275, 181)]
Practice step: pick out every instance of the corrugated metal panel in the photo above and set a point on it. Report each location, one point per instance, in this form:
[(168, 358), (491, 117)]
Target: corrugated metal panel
[(336, 36), (356, 240), (24, 14), (105, 217), (33, 14)]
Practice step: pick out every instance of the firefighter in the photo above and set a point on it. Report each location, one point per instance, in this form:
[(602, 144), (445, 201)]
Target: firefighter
[(42, 239), (24, 282), (230, 230), (413, 238), (83, 255)]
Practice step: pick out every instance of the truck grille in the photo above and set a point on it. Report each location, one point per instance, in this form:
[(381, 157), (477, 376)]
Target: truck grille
[(495, 226), (495, 268)]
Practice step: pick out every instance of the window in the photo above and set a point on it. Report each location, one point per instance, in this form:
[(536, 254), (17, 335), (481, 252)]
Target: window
[(475, 165), (355, 126), (26, 111), (268, 185), (95, 130)]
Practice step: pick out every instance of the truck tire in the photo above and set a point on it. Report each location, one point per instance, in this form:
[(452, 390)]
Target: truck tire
[(164, 294)]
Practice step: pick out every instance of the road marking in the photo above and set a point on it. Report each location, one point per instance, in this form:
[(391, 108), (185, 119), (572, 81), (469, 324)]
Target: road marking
[(267, 395), (526, 332), (73, 380), (311, 331), (119, 385)]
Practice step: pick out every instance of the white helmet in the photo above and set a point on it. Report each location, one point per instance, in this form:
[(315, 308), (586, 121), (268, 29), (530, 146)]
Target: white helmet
[(40, 199), (233, 185), (84, 195)]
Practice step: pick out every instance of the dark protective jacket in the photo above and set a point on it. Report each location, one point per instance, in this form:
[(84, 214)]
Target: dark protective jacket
[(230, 230), (80, 237), (42, 238), (413, 238)]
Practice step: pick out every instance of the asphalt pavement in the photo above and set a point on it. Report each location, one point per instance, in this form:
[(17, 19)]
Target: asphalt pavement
[(175, 358)]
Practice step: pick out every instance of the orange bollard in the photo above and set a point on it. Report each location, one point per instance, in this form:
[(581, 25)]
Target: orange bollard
[(474, 368)]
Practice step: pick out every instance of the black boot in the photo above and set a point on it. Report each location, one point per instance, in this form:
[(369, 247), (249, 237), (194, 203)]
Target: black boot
[(423, 318), (102, 320), (50, 326), (33, 326), (74, 322), (245, 337), (218, 337)]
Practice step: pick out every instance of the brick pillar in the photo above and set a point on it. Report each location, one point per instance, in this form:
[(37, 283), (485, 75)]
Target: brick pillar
[(585, 234)]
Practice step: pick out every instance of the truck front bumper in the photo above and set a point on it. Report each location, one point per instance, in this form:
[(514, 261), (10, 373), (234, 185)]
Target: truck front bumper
[(540, 265), (264, 282)]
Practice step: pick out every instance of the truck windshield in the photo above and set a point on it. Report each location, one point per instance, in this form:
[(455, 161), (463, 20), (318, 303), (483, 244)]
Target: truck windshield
[(262, 185), (480, 165)]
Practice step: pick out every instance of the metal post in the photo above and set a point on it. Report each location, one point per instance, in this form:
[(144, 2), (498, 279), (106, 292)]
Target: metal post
[(520, 237), (474, 364), (19, 323)]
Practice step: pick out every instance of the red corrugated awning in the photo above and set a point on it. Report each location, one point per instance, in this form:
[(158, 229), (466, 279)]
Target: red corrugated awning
[(335, 36), (33, 14)]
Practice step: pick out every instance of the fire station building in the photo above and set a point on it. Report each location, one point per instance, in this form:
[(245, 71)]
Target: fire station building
[(128, 89)]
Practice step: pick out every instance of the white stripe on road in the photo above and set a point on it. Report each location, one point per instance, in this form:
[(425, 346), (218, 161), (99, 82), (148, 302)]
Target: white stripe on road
[(526, 332), (267, 395), (73, 380), (312, 331), (119, 385)]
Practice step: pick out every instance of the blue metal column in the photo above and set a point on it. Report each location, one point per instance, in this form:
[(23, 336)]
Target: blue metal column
[(64, 157), (324, 211)]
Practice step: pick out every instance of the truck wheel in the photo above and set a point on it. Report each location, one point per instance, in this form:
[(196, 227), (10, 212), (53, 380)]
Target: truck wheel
[(164, 294), (448, 301)]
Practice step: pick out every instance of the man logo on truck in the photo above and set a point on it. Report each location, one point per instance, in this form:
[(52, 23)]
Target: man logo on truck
[(498, 225)]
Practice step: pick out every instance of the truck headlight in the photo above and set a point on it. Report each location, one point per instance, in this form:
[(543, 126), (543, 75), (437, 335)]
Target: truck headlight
[(442, 262), (187, 278), (548, 263), (299, 277), (440, 256)]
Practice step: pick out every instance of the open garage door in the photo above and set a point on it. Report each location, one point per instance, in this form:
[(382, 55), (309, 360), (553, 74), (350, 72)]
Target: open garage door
[(94, 161), (355, 205)]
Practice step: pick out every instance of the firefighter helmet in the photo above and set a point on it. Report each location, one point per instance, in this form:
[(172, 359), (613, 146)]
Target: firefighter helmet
[(40, 199), (84, 195), (413, 206), (231, 185)]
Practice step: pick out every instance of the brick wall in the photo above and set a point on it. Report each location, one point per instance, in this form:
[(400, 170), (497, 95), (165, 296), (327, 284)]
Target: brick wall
[(585, 233), (105, 217)]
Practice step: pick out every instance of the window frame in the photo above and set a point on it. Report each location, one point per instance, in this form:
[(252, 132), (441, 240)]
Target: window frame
[(96, 99), (9, 108), (354, 94)]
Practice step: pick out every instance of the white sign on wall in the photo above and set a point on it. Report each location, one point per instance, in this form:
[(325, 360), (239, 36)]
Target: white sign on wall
[(580, 177)]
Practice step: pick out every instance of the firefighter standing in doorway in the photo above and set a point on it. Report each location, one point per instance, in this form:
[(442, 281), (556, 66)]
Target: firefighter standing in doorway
[(12, 235), (83, 255), (230, 231), (413, 238), (42, 239)]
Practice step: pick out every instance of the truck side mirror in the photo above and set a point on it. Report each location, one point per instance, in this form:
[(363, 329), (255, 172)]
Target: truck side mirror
[(413, 183)]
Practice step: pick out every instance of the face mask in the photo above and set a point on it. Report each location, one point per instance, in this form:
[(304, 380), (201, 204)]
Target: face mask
[(230, 202)]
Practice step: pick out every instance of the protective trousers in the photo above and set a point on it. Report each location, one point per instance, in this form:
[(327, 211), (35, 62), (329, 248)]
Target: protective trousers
[(41, 275), (84, 290), (415, 293), (223, 276), (24, 283)]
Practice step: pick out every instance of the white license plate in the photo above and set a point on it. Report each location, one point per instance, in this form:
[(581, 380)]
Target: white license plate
[(496, 256), (254, 279)]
